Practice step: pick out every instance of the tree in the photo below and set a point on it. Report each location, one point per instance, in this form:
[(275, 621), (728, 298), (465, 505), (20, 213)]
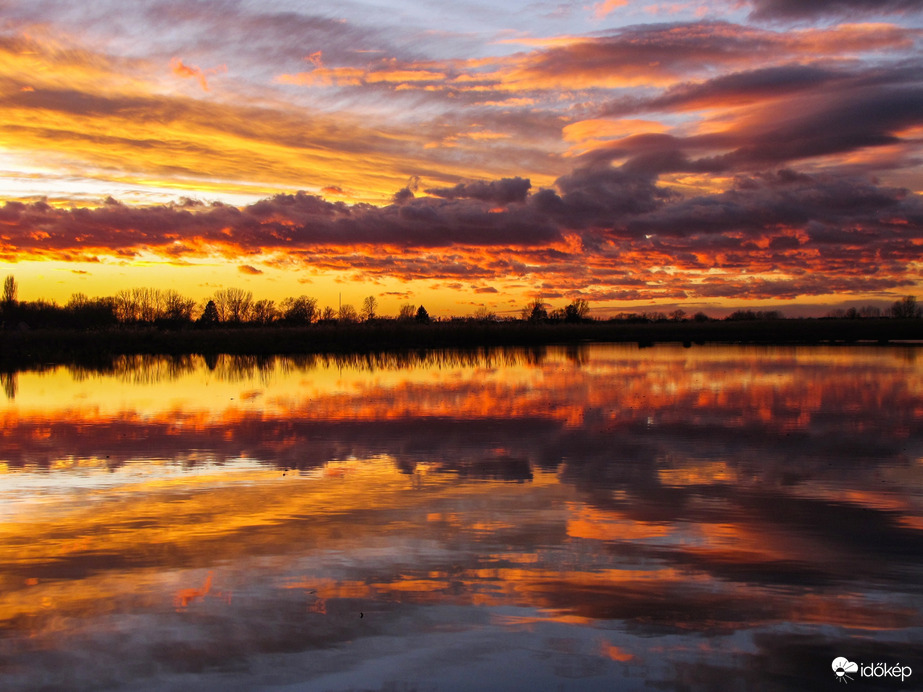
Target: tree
[(300, 310), (9, 291), (483, 314), (422, 315), (906, 308), (125, 308), (577, 311), (369, 305), (233, 304), (347, 313), (328, 314), (535, 311), (264, 312), (176, 307), (678, 315), (89, 313), (406, 312), (209, 314)]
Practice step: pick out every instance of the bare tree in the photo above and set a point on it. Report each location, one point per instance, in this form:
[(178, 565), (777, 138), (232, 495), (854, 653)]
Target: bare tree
[(483, 314), (9, 290), (300, 310), (535, 311), (406, 312), (577, 311), (126, 309), (176, 307), (369, 305), (906, 308), (347, 313), (264, 312), (233, 304)]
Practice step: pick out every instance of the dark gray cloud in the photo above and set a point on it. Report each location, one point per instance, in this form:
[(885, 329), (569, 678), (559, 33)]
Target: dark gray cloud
[(811, 9), (732, 89), (793, 113), (504, 191)]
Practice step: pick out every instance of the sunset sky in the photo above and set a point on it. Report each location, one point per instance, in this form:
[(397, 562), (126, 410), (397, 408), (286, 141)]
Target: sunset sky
[(639, 155)]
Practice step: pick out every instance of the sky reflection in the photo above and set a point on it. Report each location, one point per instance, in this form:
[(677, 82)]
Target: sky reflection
[(573, 517)]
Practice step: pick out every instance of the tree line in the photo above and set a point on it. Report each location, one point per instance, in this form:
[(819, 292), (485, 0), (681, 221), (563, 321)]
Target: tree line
[(168, 308)]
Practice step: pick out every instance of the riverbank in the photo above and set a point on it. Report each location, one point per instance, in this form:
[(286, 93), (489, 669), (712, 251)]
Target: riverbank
[(28, 347)]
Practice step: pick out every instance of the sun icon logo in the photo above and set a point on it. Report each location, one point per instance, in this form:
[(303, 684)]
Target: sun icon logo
[(842, 666)]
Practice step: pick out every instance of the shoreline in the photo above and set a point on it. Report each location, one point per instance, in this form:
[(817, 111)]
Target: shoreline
[(29, 347)]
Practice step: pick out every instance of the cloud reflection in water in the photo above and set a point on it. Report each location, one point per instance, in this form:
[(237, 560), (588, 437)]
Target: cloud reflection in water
[(576, 517)]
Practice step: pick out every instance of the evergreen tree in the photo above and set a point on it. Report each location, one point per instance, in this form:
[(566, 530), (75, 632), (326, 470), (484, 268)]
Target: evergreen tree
[(422, 315), (209, 314)]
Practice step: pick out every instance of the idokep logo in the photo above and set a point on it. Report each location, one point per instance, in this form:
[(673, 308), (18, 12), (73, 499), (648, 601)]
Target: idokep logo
[(842, 667)]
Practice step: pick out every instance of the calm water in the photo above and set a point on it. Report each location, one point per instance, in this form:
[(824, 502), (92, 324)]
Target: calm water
[(602, 518)]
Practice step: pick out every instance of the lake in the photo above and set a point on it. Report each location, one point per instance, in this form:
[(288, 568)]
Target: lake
[(603, 517)]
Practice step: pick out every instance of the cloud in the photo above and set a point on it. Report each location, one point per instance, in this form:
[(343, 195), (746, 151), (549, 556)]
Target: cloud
[(505, 191), (603, 230), (180, 69), (733, 89), (248, 269), (795, 9), (602, 9), (689, 157), (781, 116)]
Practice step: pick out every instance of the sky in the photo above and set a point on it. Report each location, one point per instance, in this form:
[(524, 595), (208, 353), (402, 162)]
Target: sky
[(639, 155)]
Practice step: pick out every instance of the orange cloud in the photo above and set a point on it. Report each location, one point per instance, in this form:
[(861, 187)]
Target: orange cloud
[(180, 69), (603, 9)]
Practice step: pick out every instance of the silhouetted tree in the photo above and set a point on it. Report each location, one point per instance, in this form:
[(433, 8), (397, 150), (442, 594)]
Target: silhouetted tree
[(751, 315), (906, 308), (209, 315), (264, 312), (347, 313), (9, 291), (175, 307), (535, 311), (406, 312), (90, 313), (301, 310), (369, 305), (233, 304), (577, 311), (678, 315), (328, 314), (700, 317), (483, 314), (422, 315)]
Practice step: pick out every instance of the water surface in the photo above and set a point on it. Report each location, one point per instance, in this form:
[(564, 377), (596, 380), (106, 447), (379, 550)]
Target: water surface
[(593, 518)]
